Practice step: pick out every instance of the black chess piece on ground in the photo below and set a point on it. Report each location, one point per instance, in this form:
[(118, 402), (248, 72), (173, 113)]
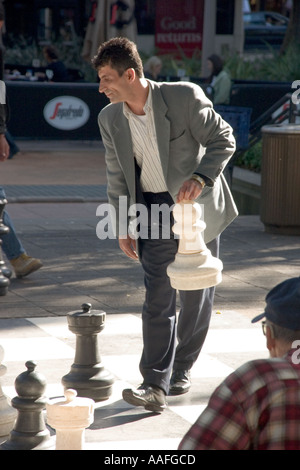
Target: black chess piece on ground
[(88, 375), (5, 273), (7, 413), (29, 432)]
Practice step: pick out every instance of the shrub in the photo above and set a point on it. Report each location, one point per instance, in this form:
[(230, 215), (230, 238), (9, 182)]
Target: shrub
[(22, 51), (251, 159)]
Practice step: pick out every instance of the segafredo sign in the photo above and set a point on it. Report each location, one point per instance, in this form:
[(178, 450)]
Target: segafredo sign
[(66, 113)]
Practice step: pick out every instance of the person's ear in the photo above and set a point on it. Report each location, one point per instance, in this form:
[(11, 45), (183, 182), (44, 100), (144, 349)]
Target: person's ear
[(271, 343), (130, 73)]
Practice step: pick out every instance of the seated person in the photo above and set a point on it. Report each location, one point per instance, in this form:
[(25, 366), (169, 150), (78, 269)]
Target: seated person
[(55, 70), (219, 80), (153, 68), (257, 407)]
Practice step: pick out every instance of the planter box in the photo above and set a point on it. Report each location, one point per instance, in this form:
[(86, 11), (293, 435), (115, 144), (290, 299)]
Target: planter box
[(246, 187)]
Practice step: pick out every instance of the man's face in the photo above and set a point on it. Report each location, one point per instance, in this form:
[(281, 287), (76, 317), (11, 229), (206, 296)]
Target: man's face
[(114, 86)]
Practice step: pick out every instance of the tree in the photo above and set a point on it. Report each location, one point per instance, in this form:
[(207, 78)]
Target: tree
[(292, 37)]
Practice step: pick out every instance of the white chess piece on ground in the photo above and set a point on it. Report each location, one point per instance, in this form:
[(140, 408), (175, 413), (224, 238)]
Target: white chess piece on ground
[(194, 266), (69, 418)]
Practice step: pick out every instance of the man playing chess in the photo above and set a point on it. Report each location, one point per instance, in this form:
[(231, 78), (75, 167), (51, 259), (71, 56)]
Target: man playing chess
[(164, 144)]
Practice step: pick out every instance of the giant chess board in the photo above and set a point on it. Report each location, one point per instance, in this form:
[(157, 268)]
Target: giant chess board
[(231, 340)]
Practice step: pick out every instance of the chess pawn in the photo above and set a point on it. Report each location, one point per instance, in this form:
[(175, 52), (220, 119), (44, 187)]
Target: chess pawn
[(29, 432), (88, 375), (7, 413), (194, 266), (69, 418)]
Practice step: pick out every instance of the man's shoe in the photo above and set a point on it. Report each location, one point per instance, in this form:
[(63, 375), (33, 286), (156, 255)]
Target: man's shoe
[(152, 398), (24, 265), (180, 382)]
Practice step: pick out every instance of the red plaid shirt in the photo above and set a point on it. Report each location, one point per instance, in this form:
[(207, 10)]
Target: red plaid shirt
[(257, 407)]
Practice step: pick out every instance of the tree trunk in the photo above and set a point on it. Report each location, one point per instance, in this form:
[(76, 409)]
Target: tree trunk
[(292, 37)]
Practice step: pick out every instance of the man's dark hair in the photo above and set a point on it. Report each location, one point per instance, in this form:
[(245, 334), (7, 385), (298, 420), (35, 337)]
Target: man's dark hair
[(51, 51), (120, 54)]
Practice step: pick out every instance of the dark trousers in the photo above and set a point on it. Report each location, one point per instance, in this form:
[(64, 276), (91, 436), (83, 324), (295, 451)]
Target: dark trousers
[(161, 330)]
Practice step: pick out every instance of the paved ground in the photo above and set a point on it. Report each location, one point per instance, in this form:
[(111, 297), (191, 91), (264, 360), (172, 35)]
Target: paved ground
[(54, 190)]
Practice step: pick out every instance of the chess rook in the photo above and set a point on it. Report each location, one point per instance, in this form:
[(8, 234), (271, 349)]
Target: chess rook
[(88, 376), (194, 266), (69, 418)]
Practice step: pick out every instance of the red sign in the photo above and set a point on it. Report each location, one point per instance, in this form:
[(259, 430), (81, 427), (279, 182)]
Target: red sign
[(179, 25)]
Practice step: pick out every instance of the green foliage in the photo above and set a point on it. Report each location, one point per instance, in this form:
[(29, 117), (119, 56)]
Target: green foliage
[(22, 51), (282, 67), (171, 64), (191, 65), (241, 69), (271, 66), (251, 159)]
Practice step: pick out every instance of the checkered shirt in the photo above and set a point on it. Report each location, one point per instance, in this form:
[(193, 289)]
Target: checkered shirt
[(257, 407)]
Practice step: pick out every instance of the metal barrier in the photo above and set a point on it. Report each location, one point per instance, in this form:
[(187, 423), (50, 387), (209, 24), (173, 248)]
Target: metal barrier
[(239, 119)]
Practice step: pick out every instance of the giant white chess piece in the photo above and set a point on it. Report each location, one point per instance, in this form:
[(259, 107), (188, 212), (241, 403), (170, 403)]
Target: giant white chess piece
[(69, 418), (194, 266)]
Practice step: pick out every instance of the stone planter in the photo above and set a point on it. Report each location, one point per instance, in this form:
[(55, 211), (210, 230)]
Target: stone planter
[(246, 188)]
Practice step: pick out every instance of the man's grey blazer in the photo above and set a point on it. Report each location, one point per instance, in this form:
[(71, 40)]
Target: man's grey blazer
[(191, 137)]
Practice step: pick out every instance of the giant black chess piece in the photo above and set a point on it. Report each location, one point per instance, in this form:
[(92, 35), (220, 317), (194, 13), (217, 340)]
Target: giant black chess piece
[(5, 273), (88, 375), (29, 432)]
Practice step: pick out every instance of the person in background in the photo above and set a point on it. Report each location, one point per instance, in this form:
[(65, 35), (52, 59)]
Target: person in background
[(11, 245), (288, 7), (219, 80), (152, 68), (22, 263), (2, 49), (246, 6), (4, 146), (55, 70), (13, 147), (257, 407)]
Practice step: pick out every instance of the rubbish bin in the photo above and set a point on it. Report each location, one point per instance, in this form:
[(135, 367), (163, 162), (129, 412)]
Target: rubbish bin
[(280, 176)]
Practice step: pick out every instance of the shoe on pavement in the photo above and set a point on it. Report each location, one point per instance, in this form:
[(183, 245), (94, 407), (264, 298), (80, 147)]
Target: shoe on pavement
[(180, 382), (152, 398), (24, 265)]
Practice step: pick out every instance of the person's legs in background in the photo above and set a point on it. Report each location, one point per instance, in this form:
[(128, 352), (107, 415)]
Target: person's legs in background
[(13, 148), (13, 249)]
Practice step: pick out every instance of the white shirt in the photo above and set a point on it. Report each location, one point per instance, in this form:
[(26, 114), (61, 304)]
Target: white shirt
[(145, 147)]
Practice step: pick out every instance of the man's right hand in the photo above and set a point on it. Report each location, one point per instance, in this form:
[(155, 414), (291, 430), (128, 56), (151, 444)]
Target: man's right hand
[(128, 246)]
